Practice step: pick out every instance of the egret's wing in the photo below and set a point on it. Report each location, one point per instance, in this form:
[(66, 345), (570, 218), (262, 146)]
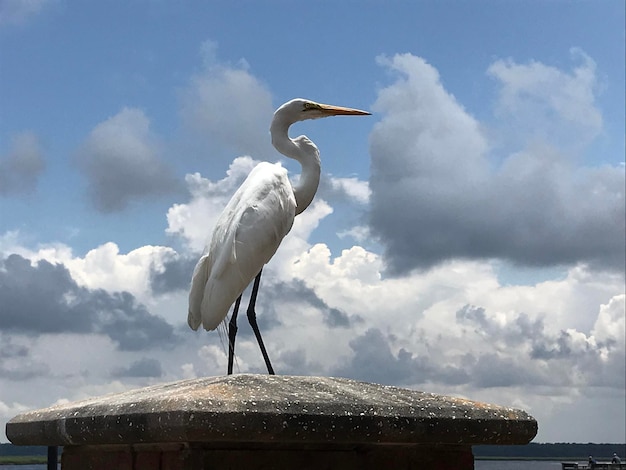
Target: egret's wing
[(264, 222), (220, 248), (198, 282), (246, 236)]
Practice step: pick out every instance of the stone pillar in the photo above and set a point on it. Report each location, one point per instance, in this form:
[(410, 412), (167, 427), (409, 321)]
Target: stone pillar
[(270, 422)]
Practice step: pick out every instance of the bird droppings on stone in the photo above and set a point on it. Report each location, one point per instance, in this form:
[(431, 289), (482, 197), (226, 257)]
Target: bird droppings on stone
[(261, 408)]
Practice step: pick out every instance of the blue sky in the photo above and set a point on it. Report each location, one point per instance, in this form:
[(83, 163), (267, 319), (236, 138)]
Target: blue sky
[(485, 193), (75, 65)]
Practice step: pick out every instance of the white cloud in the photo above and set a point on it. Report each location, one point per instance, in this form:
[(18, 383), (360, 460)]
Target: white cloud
[(437, 196), (610, 325), (359, 233), (213, 358), (518, 340), (194, 221), (608, 334), (541, 99), (416, 318), (19, 11), (21, 168), (228, 107), (10, 242), (9, 410), (106, 268), (121, 161), (296, 240), (103, 267), (548, 347), (356, 189), (536, 346)]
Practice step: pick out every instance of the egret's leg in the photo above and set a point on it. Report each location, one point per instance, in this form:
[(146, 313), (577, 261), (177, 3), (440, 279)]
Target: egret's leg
[(232, 332), (254, 325)]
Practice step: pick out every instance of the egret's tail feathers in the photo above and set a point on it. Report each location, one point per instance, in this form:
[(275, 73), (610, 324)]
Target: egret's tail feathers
[(193, 320), (211, 296), (198, 282)]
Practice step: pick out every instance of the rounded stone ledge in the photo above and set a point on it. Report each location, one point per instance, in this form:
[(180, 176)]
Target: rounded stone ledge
[(273, 409)]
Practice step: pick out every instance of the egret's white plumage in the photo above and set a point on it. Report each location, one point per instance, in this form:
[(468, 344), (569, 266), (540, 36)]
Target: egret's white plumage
[(257, 218), (246, 236)]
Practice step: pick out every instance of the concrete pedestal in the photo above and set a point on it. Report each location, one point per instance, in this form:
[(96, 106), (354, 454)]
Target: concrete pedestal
[(261, 421)]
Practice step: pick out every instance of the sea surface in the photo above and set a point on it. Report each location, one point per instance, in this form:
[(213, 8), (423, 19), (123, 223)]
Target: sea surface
[(478, 465), (41, 466), (516, 465)]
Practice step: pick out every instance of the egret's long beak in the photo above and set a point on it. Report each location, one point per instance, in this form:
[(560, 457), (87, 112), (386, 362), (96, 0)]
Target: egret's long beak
[(330, 110)]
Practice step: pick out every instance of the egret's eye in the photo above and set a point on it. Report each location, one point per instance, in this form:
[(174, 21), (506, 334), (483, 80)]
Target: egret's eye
[(309, 106)]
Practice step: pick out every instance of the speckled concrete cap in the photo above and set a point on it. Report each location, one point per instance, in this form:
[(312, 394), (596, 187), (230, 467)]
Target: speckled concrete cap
[(264, 408)]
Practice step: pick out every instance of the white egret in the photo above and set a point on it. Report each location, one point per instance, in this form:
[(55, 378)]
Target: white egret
[(251, 227)]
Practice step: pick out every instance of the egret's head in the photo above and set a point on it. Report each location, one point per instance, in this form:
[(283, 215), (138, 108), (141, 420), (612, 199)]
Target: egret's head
[(300, 109)]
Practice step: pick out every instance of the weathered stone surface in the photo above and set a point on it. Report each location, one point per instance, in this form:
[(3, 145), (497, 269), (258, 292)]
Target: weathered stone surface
[(265, 409)]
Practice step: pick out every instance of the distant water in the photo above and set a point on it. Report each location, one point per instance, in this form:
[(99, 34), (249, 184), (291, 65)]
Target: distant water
[(478, 465), (515, 465), (39, 466)]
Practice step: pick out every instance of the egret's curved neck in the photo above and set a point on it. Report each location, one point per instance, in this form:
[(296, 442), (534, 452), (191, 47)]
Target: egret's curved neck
[(305, 152)]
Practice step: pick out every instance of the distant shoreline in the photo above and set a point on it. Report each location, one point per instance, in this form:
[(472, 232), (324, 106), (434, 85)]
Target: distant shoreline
[(546, 459), (549, 451), (18, 455)]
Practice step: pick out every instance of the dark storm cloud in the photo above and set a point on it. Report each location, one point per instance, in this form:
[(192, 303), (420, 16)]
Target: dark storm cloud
[(552, 348), (24, 369), (493, 370), (297, 291), (9, 350), (175, 274), (144, 367), (294, 293), (526, 352), (21, 167), (436, 195), (521, 329), (295, 362), (16, 363), (227, 108), (521, 352), (121, 163), (374, 361), (45, 299)]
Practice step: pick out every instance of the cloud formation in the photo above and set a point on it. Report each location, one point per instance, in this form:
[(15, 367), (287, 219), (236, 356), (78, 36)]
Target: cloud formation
[(453, 329), (43, 298), (173, 275), (21, 168), (374, 360), (121, 162), (522, 352), (16, 362), (144, 367), (228, 107), (337, 189), (437, 196), (193, 222), (457, 326), (19, 11), (543, 102), (296, 291)]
